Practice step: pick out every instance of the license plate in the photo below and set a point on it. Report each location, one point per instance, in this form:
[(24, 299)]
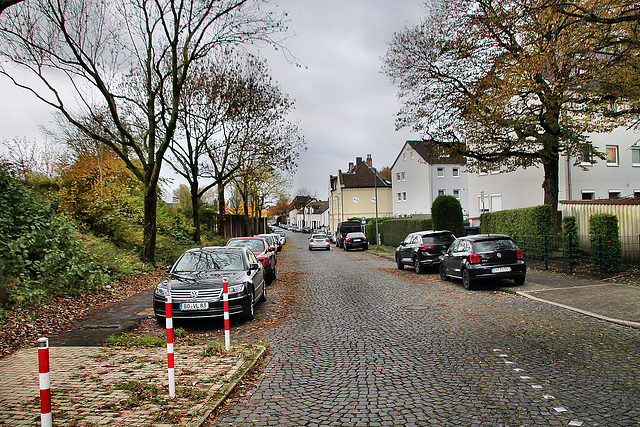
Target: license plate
[(501, 270), (188, 306), (356, 240)]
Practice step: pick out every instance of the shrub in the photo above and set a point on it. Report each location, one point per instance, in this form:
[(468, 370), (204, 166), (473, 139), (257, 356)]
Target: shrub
[(570, 239), (395, 230), (41, 249), (446, 213), (604, 238), (533, 221)]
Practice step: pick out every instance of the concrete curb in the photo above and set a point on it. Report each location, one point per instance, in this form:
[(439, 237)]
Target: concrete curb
[(577, 310), (221, 395)]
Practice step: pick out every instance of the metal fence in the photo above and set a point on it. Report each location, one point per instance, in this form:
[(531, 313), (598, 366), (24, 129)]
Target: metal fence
[(594, 254)]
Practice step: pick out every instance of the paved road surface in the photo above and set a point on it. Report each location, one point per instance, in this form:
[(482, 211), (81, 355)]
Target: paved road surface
[(367, 344)]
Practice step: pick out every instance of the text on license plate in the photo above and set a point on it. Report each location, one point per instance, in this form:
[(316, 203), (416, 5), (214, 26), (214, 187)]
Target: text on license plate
[(501, 269), (356, 240), (186, 306)]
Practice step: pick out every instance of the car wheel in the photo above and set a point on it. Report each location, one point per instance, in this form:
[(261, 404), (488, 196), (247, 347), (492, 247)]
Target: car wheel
[(466, 280), (263, 298), (519, 281), (249, 313), (399, 263), (443, 272), (417, 266)]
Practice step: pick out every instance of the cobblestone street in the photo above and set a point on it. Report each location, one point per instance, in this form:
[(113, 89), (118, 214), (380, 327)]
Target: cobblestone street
[(366, 344)]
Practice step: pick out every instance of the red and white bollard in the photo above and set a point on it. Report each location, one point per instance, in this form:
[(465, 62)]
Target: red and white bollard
[(169, 325), (225, 305), (45, 387)]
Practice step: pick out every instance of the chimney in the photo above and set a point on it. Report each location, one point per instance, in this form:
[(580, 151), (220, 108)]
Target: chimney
[(358, 161), (369, 161), (350, 166)]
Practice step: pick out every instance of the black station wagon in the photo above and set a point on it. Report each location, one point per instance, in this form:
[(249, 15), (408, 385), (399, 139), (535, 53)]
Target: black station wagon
[(423, 249), (488, 256)]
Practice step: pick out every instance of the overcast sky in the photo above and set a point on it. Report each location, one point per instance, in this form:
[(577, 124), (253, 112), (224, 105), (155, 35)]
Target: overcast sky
[(344, 105)]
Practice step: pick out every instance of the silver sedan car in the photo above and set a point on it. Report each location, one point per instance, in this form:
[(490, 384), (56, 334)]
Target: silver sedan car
[(319, 241)]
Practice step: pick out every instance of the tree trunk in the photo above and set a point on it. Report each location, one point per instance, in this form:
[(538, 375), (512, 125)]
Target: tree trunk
[(247, 221), (150, 228), (222, 210), (550, 186), (195, 207)]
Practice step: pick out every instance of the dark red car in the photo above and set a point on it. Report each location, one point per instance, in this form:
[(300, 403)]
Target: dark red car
[(260, 248)]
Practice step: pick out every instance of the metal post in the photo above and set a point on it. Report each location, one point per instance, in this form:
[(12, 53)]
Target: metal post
[(225, 304), (570, 237), (45, 388), (546, 252), (170, 366), (600, 255)]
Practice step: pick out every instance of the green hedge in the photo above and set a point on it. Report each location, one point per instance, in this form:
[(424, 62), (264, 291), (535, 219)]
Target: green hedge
[(395, 230), (570, 247), (446, 213), (533, 221), (606, 248)]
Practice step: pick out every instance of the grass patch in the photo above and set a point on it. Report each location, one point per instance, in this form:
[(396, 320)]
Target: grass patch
[(380, 250), (139, 393), (130, 340)]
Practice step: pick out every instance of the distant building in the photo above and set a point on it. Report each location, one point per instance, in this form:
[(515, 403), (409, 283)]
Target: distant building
[(353, 193), (419, 176)]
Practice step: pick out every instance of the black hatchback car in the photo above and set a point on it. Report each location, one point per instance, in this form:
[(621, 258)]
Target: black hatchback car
[(423, 249), (488, 256)]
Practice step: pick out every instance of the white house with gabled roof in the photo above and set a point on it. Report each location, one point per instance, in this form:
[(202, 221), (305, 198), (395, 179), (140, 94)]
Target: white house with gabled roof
[(419, 176)]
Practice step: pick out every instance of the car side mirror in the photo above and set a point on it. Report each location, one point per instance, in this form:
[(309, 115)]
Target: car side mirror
[(168, 269)]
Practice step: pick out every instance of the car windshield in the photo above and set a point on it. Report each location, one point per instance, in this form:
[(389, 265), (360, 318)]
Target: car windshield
[(494, 245), (210, 261), (254, 244), (319, 236), (438, 239)]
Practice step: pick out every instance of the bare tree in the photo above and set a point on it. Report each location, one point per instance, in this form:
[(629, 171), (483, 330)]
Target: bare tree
[(124, 64), (6, 3)]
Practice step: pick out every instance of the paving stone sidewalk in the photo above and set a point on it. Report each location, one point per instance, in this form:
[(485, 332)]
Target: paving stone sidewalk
[(104, 386)]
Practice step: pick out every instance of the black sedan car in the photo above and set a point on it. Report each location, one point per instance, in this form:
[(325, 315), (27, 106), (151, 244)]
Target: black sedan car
[(488, 256), (423, 249), (355, 240), (195, 284)]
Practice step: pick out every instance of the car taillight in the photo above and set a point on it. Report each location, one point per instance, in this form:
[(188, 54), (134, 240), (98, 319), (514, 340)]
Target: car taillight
[(311, 240), (364, 238), (519, 254), (424, 248), (349, 239), (327, 240), (474, 258)]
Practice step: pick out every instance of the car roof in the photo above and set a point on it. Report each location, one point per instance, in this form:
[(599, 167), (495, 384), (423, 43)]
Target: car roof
[(481, 237), (218, 249), (430, 232)]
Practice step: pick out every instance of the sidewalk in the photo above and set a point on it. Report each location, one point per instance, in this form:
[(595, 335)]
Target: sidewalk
[(612, 302), (102, 386)]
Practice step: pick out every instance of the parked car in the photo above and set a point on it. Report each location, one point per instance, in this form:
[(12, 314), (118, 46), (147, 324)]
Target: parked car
[(260, 249), (306, 229), (295, 228), (195, 284), (356, 240), (332, 236), (423, 249), (319, 241), (486, 256), (280, 232), (345, 228), (271, 240)]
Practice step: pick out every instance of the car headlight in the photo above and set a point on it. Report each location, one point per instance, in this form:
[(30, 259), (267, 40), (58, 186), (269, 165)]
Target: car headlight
[(236, 289), (162, 291)]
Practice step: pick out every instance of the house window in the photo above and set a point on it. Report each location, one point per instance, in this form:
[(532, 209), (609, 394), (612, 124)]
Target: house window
[(399, 197), (612, 155), (440, 172), (614, 194), (456, 173), (588, 195), (483, 203), (636, 194), (587, 158), (456, 194), (412, 154), (398, 177), (404, 196), (402, 176), (441, 193), (404, 156), (635, 156)]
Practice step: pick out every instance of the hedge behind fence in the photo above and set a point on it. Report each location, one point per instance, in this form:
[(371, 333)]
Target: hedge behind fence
[(533, 221), (606, 250), (395, 230)]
